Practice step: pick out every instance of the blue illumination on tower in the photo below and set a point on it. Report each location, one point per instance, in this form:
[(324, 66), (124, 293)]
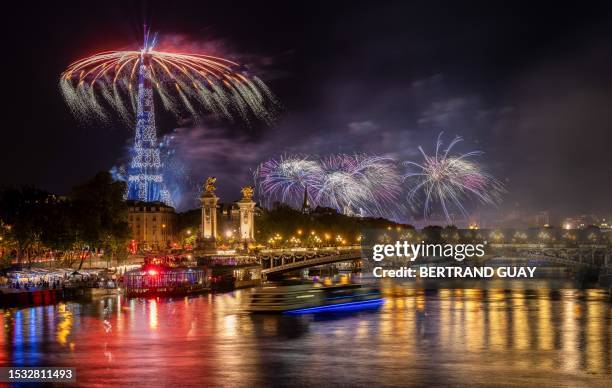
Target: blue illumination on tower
[(145, 173)]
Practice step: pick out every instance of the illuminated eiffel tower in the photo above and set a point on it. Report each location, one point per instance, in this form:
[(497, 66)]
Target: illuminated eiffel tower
[(145, 173)]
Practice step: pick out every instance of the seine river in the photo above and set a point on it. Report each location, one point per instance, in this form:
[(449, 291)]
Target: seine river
[(444, 337)]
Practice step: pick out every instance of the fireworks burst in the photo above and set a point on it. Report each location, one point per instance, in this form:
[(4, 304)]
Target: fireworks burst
[(450, 180), (286, 179), (351, 184), (362, 183), (185, 82)]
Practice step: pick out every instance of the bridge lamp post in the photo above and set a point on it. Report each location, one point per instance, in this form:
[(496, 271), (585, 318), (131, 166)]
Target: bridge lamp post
[(497, 236), (278, 239), (544, 237), (518, 236), (184, 236)]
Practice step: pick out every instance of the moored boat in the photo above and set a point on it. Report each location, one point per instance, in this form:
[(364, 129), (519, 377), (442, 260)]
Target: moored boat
[(165, 281)]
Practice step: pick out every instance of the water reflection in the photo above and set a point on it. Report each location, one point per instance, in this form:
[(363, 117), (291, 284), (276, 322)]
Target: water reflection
[(64, 323), (153, 314), (418, 337)]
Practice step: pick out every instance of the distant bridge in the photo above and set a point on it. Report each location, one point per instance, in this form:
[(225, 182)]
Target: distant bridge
[(278, 262), (585, 256)]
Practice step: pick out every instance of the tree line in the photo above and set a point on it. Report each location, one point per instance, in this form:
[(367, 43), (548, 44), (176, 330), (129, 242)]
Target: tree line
[(91, 219)]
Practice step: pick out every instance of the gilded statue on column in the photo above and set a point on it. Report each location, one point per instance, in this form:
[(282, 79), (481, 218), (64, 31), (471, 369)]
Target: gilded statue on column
[(247, 192), (209, 186)]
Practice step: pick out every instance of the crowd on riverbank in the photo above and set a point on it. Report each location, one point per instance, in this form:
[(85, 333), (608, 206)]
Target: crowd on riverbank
[(48, 279)]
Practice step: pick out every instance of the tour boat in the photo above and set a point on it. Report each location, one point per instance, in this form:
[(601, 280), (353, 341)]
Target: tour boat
[(303, 299)]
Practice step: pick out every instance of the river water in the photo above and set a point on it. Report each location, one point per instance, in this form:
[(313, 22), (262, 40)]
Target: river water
[(417, 338)]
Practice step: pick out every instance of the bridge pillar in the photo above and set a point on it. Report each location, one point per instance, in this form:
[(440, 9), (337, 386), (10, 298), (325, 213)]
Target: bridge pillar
[(209, 213), (247, 212)]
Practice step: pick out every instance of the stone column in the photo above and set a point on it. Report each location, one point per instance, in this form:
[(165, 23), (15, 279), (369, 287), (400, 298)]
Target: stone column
[(247, 220), (209, 210)]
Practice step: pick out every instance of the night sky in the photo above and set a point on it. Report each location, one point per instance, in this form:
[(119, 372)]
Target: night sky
[(530, 86)]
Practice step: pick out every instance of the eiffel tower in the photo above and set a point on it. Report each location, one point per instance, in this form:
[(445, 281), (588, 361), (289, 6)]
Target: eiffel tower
[(145, 173)]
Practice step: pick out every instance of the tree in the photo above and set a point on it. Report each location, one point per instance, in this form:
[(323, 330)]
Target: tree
[(101, 214), (433, 234), (60, 231), (22, 211), (327, 224), (93, 218)]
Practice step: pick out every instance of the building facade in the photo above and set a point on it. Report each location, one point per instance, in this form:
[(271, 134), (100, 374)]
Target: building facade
[(153, 224), (230, 223)]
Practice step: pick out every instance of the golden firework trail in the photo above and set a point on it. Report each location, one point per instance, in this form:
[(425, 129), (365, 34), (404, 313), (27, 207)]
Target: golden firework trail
[(186, 83)]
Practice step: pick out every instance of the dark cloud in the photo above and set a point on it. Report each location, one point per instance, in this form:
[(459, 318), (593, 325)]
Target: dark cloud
[(363, 127)]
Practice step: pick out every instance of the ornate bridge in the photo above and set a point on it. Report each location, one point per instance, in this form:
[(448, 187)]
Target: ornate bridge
[(278, 262), (275, 262)]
